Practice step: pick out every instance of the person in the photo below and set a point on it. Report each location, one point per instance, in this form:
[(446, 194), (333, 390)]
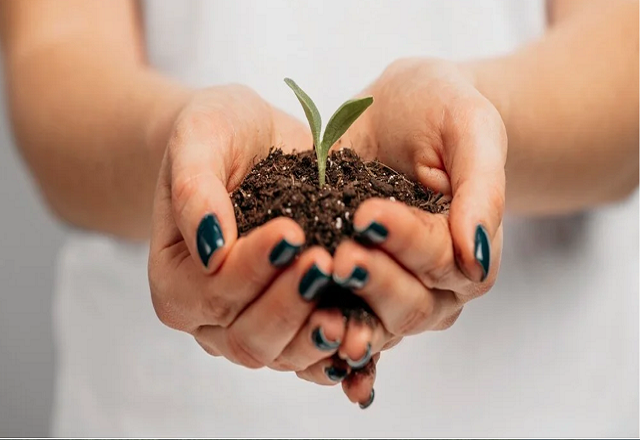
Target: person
[(123, 113)]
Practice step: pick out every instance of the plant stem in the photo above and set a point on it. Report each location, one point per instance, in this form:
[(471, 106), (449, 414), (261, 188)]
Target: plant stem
[(322, 165)]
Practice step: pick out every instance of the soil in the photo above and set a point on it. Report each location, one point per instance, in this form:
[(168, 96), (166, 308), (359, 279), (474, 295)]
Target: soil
[(287, 185)]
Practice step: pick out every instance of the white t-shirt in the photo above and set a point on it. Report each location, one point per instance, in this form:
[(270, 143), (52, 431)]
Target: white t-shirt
[(552, 350)]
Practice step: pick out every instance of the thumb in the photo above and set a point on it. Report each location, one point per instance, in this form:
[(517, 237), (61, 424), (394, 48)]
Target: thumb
[(192, 202), (477, 157)]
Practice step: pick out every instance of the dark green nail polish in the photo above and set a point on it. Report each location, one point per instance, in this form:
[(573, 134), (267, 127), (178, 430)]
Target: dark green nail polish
[(283, 253), (335, 374), (482, 250), (356, 365), (209, 237), (368, 403), (312, 283), (375, 233), (358, 278), (321, 342)]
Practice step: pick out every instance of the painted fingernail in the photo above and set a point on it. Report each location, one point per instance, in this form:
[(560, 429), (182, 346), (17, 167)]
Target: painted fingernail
[(375, 233), (283, 253), (335, 374), (356, 365), (368, 403), (209, 237), (321, 342), (482, 250), (358, 278), (312, 283)]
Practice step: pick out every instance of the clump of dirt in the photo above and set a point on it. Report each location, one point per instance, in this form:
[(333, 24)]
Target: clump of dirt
[(287, 185)]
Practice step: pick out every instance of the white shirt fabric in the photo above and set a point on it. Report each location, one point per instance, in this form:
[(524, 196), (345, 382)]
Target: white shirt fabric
[(552, 350)]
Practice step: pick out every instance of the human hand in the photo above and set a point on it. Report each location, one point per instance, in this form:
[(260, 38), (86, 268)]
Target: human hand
[(429, 122), (242, 298)]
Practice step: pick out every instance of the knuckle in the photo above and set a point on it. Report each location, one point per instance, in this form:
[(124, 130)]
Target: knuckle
[(350, 252), (242, 352), (479, 111), (315, 254), (285, 316), (400, 65), (169, 310), (448, 321), (208, 349), (416, 319), (183, 187), (433, 272), (482, 115), (166, 311), (304, 375), (282, 364), (218, 310), (248, 94), (397, 72), (257, 275), (192, 122), (392, 343), (434, 268), (236, 88), (405, 239), (165, 314), (476, 290), (497, 199)]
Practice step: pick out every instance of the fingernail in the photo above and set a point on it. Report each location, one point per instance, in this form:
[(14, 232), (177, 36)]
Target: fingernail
[(283, 253), (335, 374), (482, 250), (312, 282), (368, 403), (356, 365), (321, 342), (374, 233), (209, 237), (358, 278)]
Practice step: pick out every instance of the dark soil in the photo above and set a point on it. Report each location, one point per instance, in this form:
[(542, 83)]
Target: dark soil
[(287, 185)]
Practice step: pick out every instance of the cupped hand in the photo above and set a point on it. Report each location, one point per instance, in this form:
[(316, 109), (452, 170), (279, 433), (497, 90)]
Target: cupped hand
[(416, 269), (248, 299)]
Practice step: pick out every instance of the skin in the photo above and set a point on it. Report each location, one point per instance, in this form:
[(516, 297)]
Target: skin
[(567, 150)]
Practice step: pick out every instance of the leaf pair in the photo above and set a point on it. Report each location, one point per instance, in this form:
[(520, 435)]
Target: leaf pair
[(338, 124)]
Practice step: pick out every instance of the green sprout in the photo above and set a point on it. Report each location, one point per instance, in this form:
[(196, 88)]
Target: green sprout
[(341, 120)]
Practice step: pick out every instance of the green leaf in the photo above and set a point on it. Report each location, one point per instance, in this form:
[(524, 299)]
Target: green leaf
[(340, 122), (342, 119), (310, 110)]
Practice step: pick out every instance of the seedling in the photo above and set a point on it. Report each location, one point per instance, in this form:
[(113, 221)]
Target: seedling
[(338, 124)]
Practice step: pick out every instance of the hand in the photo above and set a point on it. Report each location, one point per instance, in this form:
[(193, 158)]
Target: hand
[(429, 122), (246, 299)]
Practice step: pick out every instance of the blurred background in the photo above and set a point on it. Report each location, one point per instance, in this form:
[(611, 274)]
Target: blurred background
[(29, 242)]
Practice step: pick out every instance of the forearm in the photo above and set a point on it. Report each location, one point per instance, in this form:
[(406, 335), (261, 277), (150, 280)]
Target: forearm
[(570, 106), (84, 107)]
